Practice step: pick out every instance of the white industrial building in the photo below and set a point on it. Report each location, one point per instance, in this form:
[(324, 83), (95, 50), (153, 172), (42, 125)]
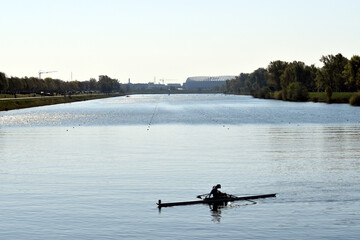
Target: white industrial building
[(205, 83)]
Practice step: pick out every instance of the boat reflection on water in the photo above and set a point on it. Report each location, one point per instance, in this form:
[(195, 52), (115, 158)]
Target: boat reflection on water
[(216, 208)]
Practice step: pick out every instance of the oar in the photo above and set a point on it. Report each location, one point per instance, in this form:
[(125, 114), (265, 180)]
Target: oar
[(245, 199), (207, 194), (230, 195), (251, 201), (202, 195)]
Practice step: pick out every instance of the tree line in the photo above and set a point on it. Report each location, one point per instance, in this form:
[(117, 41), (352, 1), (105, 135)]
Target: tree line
[(293, 80), (13, 85)]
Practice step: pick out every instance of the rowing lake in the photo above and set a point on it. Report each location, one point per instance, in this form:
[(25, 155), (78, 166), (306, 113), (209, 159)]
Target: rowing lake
[(95, 169)]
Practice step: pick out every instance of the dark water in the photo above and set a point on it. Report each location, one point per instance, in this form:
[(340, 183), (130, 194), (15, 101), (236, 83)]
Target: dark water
[(94, 170)]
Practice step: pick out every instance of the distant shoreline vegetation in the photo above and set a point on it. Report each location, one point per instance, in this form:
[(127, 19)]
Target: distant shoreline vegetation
[(337, 81), (49, 86), (17, 93)]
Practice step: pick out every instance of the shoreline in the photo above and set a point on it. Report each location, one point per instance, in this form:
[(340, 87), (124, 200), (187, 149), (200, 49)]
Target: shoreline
[(321, 97), (7, 104)]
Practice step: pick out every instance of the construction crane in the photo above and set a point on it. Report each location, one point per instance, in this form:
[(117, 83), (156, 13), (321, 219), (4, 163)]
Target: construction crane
[(167, 80), (42, 72)]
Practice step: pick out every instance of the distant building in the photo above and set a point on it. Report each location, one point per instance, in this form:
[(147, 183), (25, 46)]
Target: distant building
[(205, 83), (176, 85), (155, 85), (143, 86)]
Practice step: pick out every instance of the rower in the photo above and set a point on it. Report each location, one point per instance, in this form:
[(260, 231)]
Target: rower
[(216, 193)]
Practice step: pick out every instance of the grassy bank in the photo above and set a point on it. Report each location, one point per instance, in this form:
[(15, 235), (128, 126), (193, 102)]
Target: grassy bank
[(337, 97), (352, 98), (19, 95), (27, 102)]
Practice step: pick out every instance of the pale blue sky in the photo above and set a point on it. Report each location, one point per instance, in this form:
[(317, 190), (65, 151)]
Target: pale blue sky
[(168, 39)]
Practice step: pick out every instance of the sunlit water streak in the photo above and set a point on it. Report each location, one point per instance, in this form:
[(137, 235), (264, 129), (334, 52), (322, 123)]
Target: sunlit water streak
[(94, 170)]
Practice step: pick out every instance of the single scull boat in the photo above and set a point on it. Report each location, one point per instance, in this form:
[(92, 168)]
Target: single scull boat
[(214, 200)]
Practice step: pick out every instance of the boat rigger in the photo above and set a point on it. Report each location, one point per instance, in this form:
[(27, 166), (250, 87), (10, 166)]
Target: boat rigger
[(214, 200)]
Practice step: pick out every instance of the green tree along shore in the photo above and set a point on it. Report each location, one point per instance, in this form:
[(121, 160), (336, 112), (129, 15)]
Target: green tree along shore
[(15, 85), (16, 93), (337, 81)]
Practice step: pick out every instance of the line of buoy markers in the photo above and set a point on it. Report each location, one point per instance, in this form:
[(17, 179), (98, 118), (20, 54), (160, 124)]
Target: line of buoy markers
[(152, 116)]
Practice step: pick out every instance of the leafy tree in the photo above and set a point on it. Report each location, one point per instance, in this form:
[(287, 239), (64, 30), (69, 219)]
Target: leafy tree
[(245, 83), (310, 75), (240, 84), (107, 84), (274, 72), (16, 84), (236, 85), (294, 81), (243, 86), (233, 85), (295, 91), (28, 84), (92, 84), (41, 85), (59, 86), (74, 85), (50, 84), (329, 93), (4, 82), (299, 72), (257, 79), (355, 99), (294, 72), (264, 92), (331, 74), (352, 73), (83, 86)]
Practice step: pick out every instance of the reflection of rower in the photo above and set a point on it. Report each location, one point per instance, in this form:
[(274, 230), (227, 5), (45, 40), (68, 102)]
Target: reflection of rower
[(216, 193)]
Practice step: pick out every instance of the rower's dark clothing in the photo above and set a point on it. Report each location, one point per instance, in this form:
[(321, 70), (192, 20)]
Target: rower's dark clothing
[(216, 193)]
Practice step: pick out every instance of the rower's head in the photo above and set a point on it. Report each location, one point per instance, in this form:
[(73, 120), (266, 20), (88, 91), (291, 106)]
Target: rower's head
[(218, 186)]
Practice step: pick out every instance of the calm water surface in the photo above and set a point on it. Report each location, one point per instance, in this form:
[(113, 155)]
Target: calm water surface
[(94, 170)]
